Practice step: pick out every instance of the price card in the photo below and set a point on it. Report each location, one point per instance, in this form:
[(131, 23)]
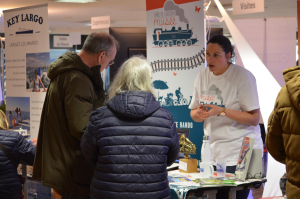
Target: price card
[(183, 166)]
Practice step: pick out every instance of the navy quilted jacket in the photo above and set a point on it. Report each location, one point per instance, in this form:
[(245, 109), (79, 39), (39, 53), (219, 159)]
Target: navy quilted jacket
[(131, 141), (20, 149)]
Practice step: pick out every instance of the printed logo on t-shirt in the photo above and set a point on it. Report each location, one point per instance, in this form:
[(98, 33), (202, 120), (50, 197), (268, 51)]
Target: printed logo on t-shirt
[(212, 96)]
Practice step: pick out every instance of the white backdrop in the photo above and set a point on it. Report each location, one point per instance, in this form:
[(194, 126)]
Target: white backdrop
[(253, 31), (274, 42), (280, 46), (280, 55)]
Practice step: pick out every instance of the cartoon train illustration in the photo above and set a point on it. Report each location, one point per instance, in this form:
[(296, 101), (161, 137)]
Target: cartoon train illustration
[(173, 37)]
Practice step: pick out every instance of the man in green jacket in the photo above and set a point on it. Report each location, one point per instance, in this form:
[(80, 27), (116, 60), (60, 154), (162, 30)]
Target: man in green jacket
[(75, 90)]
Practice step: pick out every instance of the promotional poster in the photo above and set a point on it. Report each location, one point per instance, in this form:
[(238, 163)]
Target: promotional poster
[(176, 51), (27, 59)]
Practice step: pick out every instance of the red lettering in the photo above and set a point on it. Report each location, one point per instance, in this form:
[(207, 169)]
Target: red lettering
[(207, 97), (165, 22)]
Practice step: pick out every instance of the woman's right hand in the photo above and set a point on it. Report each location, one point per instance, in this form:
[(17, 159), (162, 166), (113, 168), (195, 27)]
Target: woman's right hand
[(200, 110)]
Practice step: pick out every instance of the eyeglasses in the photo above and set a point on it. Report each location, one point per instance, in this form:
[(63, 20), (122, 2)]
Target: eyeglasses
[(111, 62), (257, 175)]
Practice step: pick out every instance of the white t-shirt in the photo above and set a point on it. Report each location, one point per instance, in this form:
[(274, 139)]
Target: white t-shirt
[(37, 83), (235, 89)]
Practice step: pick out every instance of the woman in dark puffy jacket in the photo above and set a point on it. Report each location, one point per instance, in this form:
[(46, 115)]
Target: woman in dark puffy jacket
[(20, 149), (132, 140)]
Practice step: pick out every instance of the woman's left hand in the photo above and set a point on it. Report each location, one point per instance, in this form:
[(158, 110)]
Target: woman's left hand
[(214, 110)]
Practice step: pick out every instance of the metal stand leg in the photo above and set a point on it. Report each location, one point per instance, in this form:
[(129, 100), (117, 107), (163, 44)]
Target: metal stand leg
[(25, 186), (232, 192), (212, 194)]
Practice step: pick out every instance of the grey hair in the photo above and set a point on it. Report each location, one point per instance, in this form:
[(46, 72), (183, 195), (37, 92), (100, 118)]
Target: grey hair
[(96, 43), (133, 75), (3, 121)]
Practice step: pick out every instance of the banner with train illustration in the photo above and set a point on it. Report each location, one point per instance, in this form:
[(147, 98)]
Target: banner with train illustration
[(176, 51)]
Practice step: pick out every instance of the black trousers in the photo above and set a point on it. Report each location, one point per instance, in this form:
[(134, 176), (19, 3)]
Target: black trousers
[(223, 194)]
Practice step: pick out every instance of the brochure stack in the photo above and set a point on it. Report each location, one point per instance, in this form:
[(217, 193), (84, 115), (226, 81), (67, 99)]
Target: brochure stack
[(244, 158)]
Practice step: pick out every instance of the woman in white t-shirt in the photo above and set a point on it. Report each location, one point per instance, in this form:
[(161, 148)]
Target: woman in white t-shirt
[(225, 98), (37, 80)]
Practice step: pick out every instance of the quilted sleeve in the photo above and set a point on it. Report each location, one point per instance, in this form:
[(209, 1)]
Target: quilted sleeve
[(174, 148), (274, 139), (88, 143), (26, 150)]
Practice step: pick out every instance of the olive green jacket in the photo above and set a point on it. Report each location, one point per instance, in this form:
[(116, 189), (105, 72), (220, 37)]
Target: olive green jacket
[(74, 92), (283, 137)]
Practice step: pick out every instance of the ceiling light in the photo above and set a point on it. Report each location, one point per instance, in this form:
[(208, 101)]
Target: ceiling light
[(76, 1), (214, 19), (229, 9)]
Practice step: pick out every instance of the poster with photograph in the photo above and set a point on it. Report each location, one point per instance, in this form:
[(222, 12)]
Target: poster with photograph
[(36, 71), (26, 61), (18, 114)]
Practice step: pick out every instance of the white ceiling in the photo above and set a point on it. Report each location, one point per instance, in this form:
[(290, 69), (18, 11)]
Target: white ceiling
[(75, 17)]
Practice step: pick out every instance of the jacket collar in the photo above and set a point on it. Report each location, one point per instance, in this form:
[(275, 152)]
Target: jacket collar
[(134, 104), (71, 61), (292, 81)]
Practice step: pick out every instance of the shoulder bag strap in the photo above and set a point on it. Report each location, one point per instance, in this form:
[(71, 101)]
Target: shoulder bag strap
[(8, 154)]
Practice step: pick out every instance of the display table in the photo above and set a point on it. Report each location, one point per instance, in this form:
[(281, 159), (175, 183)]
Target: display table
[(274, 197), (185, 187)]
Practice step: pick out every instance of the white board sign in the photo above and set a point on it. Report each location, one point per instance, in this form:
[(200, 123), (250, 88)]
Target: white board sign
[(75, 38), (61, 41), (183, 166), (247, 6), (100, 22)]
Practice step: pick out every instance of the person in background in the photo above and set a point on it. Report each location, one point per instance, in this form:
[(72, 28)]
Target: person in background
[(17, 117), (10, 120), (34, 141), (132, 140), (75, 90), (282, 184), (36, 82), (20, 149), (20, 115), (225, 98), (283, 134)]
